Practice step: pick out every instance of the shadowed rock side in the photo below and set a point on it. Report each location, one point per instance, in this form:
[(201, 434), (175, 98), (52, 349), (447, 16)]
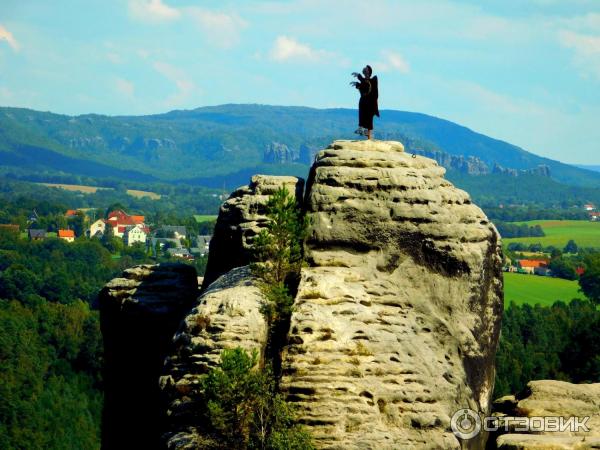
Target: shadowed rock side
[(227, 315), (551, 398), (240, 219), (139, 313), (396, 320)]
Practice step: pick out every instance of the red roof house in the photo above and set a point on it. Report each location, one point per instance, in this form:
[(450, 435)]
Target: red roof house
[(67, 235)]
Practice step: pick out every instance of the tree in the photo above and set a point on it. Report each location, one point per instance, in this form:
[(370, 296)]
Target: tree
[(562, 268), (244, 409), (278, 250), (590, 280), (571, 247)]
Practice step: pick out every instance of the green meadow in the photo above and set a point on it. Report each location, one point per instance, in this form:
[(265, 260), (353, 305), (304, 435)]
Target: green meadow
[(559, 232), (204, 217), (533, 289)]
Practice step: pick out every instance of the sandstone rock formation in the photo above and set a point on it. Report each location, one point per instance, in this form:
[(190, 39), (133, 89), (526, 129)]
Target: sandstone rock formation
[(139, 314), (397, 318), (227, 315), (551, 398), (240, 219)]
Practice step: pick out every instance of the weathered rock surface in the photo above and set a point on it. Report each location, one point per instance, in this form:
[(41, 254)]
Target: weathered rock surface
[(397, 318), (241, 218), (395, 323), (551, 398), (227, 315), (139, 314)]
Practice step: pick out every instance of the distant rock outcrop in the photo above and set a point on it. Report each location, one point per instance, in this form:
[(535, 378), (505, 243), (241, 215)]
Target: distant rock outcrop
[(396, 320), (541, 170), (279, 153), (551, 398), (470, 165)]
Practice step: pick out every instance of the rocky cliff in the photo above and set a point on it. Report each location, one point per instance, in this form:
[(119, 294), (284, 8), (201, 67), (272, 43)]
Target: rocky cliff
[(139, 313), (397, 317), (396, 320), (241, 218), (554, 399)]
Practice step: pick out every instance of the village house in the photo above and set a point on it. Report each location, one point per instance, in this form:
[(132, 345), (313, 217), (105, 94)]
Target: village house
[(66, 235), (589, 207), (594, 216), (71, 213), (176, 231), (97, 229), (119, 221), (134, 234), (534, 266), (180, 253), (36, 235)]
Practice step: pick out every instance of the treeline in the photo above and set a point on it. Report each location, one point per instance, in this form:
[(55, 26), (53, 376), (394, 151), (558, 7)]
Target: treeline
[(560, 342), (176, 200), (513, 230), (533, 212)]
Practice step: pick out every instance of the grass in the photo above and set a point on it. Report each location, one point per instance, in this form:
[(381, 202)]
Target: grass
[(558, 233), (535, 289), (204, 217)]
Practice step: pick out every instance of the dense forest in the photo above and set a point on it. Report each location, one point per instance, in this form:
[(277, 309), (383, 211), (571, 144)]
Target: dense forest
[(50, 344)]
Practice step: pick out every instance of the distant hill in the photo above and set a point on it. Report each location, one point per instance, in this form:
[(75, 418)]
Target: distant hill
[(223, 145), (594, 168)]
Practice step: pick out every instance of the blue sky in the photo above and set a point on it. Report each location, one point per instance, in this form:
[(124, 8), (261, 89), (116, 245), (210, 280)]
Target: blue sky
[(525, 71)]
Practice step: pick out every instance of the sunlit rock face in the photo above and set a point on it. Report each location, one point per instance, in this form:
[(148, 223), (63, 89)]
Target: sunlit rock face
[(397, 317), (396, 320)]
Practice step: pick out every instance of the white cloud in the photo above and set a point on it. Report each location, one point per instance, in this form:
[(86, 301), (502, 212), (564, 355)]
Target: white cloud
[(583, 44), (125, 87), (7, 36), (586, 48), (391, 61), (185, 86), (219, 28), (289, 49), (114, 58), (154, 11)]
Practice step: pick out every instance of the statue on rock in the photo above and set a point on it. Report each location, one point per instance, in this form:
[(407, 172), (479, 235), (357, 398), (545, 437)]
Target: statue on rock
[(368, 86)]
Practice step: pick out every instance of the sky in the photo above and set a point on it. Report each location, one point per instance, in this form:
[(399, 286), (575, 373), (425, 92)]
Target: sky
[(524, 71)]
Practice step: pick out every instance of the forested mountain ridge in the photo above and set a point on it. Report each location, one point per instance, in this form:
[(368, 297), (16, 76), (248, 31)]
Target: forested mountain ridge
[(221, 144)]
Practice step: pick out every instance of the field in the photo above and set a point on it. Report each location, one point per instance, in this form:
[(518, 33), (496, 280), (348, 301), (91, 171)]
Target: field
[(558, 233), (75, 187), (93, 189), (204, 217), (139, 194), (533, 289)]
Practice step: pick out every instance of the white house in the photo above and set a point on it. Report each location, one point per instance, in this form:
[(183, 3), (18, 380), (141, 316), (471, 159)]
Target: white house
[(135, 233), (97, 229)]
